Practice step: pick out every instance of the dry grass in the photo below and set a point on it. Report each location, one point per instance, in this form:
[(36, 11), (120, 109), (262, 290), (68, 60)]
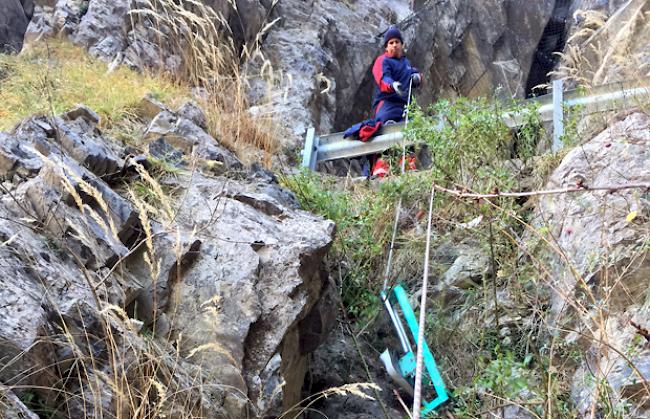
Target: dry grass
[(602, 50), (53, 77), (210, 61), (353, 389)]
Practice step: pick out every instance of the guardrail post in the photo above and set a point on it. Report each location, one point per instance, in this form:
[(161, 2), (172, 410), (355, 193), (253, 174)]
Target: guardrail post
[(309, 153), (558, 114)]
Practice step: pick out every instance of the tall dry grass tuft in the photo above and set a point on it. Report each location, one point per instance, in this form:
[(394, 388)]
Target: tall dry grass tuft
[(604, 50), (352, 389), (55, 76), (211, 62)]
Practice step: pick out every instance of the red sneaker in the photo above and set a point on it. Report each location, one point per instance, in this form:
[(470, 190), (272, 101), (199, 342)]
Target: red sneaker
[(410, 163), (380, 168)]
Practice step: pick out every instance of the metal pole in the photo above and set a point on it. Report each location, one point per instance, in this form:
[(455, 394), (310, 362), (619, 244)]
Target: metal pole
[(417, 397), (399, 202), (310, 152), (399, 327), (558, 115)]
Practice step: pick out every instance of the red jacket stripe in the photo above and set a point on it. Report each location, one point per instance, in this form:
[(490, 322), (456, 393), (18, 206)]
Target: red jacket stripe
[(378, 73)]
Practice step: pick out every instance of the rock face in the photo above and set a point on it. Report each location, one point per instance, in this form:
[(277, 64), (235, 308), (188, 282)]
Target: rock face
[(476, 46), (12, 408), (325, 55), (462, 48), (600, 267), (14, 18), (218, 283)]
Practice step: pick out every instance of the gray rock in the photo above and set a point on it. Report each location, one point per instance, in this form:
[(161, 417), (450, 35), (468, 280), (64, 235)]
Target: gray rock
[(632, 383), (39, 282), (591, 227), (627, 378), (604, 253), (261, 285), (465, 267), (469, 268), (11, 407), (16, 158), (188, 138), (163, 151), (235, 281), (479, 45), (14, 18), (190, 110), (87, 147), (102, 28), (84, 112), (94, 239), (77, 137)]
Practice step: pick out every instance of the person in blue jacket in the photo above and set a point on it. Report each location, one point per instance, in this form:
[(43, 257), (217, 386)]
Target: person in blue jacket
[(393, 73)]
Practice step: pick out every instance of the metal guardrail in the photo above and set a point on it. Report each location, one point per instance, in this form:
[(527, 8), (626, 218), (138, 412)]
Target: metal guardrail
[(551, 108), (334, 146)]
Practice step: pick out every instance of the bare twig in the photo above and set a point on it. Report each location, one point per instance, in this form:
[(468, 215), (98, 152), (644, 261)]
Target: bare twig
[(577, 188), (641, 331)]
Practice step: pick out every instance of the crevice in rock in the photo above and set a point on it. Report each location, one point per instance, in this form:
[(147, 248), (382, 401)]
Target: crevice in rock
[(552, 41)]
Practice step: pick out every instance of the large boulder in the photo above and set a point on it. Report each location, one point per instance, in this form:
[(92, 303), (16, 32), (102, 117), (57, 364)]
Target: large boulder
[(14, 18), (598, 261), (594, 229), (220, 281)]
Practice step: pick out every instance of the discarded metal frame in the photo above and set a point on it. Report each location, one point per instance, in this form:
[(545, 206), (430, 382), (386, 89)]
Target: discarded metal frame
[(402, 369)]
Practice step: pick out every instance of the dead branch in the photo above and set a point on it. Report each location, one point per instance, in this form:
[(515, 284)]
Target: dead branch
[(578, 188)]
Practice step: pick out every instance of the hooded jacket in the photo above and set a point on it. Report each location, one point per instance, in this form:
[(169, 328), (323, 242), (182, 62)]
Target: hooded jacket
[(387, 70)]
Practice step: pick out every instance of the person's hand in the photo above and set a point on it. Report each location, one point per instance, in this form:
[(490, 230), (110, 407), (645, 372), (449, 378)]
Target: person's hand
[(397, 87), (416, 79)]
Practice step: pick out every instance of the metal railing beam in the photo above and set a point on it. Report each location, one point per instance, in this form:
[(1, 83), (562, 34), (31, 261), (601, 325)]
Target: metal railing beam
[(601, 99)]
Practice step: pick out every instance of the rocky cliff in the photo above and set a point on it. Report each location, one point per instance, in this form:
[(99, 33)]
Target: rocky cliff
[(121, 293), (600, 267), (166, 278), (325, 50)]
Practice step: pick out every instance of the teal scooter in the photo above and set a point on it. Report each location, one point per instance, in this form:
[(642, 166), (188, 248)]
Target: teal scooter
[(402, 368)]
